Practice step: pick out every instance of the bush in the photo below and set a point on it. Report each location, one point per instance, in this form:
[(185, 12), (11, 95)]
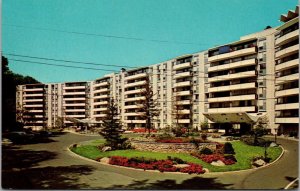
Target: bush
[(178, 131), (176, 160), (251, 141), (206, 151), (228, 149), (204, 136)]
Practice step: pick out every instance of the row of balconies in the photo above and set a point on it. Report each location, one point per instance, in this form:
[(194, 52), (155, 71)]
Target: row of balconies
[(238, 64), (287, 106), (287, 51), (239, 75), (287, 38), (238, 53), (286, 65)]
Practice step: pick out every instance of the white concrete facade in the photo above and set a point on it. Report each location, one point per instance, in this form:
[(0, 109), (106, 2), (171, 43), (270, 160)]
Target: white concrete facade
[(256, 74)]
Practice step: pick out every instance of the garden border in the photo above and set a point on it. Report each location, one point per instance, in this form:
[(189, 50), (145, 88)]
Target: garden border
[(211, 173)]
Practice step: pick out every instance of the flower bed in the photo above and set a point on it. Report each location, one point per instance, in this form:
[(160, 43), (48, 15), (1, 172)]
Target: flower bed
[(161, 165), (227, 160), (180, 140), (143, 130)]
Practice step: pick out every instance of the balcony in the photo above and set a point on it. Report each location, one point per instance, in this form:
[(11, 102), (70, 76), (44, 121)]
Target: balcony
[(285, 79), (101, 84), (233, 87), (232, 76), (233, 98), (73, 104), (182, 66), (139, 83), (135, 98), (100, 109), (75, 99), (101, 96), (182, 75), (287, 38), (287, 120), (232, 109), (136, 76), (133, 91), (184, 121), (183, 93), (74, 93), (74, 87), (135, 121), (237, 53), (36, 105), (101, 103), (184, 111), (134, 114), (75, 110), (132, 106), (232, 65), (287, 106), (287, 92), (33, 95), (183, 102), (99, 115), (101, 90), (34, 90), (36, 111), (33, 100), (182, 84), (286, 65), (75, 116), (287, 51)]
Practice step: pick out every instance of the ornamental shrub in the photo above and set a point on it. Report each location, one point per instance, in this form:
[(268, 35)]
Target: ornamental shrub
[(228, 149), (206, 151)]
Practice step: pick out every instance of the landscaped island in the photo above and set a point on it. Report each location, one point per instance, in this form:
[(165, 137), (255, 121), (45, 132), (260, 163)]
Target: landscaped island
[(206, 160)]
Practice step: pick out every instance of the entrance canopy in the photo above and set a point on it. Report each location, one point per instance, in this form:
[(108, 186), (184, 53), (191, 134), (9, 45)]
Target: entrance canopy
[(241, 117)]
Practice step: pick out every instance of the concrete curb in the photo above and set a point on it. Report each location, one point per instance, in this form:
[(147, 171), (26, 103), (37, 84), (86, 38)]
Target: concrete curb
[(80, 133), (291, 183), (208, 173)]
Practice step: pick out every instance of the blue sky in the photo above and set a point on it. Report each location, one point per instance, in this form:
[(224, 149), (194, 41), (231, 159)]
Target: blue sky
[(201, 23)]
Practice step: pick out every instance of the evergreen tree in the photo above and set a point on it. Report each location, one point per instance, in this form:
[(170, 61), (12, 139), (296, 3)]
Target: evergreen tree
[(112, 127), (149, 105)]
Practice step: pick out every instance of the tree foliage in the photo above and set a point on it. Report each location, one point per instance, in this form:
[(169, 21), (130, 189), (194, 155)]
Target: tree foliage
[(112, 127), (149, 105), (10, 80), (260, 128)]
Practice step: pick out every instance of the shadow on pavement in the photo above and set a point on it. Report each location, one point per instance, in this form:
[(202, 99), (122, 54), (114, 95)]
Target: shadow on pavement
[(61, 177), (20, 171), (194, 183), (13, 157)]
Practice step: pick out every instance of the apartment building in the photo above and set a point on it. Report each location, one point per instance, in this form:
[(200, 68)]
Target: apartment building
[(228, 85), (287, 72), (31, 105)]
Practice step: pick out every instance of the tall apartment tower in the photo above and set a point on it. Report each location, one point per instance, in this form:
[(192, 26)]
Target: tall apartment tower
[(241, 81), (76, 100), (31, 105), (287, 72)]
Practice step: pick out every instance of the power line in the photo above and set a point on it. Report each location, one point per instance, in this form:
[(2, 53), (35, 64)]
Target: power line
[(152, 74), (60, 65), (104, 35), (68, 61)]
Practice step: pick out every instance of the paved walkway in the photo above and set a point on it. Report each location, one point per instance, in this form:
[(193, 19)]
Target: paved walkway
[(49, 165)]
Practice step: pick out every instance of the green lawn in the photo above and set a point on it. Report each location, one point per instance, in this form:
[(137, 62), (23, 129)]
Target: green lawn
[(244, 154)]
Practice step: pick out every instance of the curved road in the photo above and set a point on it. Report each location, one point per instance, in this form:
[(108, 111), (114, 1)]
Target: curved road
[(49, 165)]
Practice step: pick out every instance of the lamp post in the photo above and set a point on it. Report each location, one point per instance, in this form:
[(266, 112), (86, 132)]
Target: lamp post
[(275, 129)]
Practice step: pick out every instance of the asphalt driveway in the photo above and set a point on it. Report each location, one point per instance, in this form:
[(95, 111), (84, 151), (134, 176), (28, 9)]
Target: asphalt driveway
[(49, 165)]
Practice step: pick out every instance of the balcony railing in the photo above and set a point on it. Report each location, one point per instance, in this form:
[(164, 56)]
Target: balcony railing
[(237, 53)]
